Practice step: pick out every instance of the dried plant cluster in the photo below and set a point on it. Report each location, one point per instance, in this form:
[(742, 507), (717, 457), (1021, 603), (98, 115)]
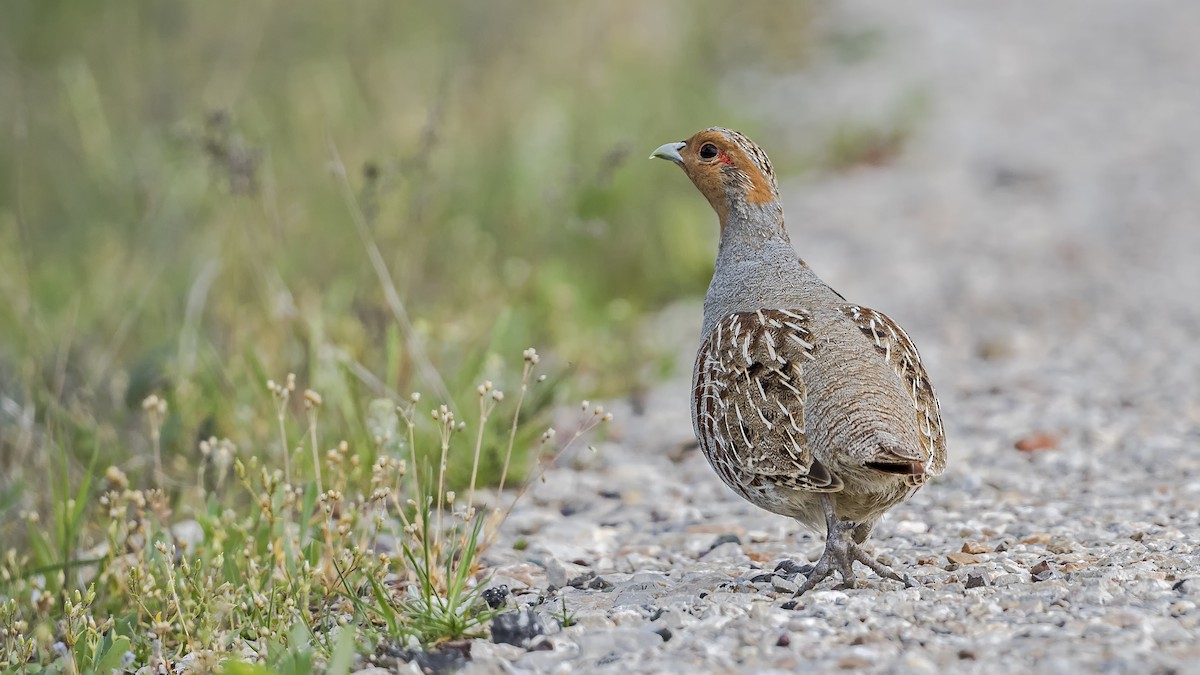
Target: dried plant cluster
[(281, 560)]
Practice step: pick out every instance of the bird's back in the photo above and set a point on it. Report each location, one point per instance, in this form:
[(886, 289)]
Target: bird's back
[(797, 391)]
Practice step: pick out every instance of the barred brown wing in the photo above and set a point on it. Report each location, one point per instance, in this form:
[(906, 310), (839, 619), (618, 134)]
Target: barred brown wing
[(749, 401)]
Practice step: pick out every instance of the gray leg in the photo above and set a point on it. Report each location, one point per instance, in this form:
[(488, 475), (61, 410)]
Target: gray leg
[(841, 553)]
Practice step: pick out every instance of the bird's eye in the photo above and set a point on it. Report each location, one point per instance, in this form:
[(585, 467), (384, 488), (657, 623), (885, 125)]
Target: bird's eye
[(708, 151)]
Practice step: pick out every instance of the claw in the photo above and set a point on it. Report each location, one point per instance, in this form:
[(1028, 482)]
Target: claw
[(841, 553)]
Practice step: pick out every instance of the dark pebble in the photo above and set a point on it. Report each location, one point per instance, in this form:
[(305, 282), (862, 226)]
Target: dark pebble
[(790, 568), (723, 539), (599, 584), (495, 596), (582, 580), (452, 657), (571, 508), (517, 628)]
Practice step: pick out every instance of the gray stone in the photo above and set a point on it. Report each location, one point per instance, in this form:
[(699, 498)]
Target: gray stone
[(781, 585), (617, 641)]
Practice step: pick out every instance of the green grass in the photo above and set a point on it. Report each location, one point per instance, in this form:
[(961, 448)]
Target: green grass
[(378, 197), (263, 569), (186, 190)]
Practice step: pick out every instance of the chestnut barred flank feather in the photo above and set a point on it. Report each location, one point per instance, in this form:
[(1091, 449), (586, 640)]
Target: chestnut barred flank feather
[(749, 399), (804, 404)]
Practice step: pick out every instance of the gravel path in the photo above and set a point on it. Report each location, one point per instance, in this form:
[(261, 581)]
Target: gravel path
[(1039, 237)]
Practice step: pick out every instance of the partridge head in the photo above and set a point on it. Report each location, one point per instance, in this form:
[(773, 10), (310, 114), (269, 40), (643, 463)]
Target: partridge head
[(729, 170)]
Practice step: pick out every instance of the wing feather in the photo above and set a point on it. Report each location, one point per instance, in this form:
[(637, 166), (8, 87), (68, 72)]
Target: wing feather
[(898, 351), (749, 398)]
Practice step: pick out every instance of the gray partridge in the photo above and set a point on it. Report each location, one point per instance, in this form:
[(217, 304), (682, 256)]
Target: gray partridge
[(805, 404)]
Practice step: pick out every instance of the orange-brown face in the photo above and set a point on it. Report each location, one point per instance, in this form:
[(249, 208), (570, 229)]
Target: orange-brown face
[(726, 167)]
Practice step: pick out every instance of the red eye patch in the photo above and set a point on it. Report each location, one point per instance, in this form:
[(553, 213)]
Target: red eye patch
[(724, 158)]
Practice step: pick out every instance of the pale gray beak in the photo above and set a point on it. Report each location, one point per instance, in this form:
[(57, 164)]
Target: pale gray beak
[(669, 151)]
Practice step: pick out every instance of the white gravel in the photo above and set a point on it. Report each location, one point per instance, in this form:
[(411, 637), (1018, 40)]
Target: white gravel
[(1039, 237)]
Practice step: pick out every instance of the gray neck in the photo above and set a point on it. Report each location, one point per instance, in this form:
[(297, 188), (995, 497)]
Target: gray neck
[(757, 268)]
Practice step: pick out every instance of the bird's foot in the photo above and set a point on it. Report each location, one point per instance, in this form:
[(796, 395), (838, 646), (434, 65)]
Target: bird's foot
[(841, 553)]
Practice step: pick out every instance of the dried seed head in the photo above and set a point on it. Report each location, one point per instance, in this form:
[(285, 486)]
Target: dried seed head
[(531, 356), (312, 398), (116, 478)]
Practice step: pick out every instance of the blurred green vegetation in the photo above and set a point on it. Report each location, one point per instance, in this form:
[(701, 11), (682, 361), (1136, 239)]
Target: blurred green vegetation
[(380, 197), (179, 184)]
